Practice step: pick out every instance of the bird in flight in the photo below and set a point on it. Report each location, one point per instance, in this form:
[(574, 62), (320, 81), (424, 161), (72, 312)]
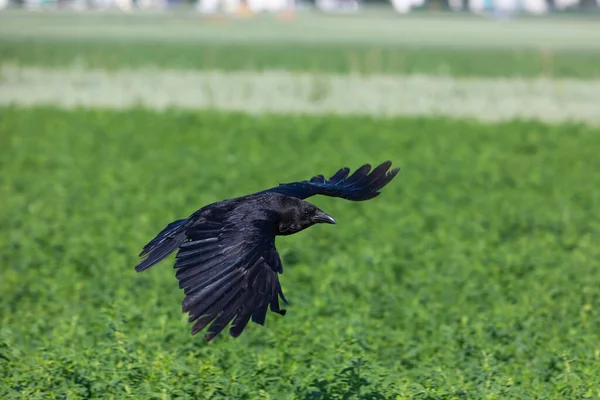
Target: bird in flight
[(226, 261)]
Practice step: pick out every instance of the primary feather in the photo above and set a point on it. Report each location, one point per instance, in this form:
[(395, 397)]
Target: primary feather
[(359, 186)]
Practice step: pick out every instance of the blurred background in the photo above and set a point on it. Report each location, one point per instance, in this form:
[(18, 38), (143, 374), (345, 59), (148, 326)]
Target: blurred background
[(474, 275), (286, 8)]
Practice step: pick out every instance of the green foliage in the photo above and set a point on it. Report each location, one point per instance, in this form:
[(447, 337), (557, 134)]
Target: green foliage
[(475, 275), (111, 54)]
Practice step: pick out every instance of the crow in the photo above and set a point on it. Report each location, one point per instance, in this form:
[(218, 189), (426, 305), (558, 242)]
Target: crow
[(227, 263)]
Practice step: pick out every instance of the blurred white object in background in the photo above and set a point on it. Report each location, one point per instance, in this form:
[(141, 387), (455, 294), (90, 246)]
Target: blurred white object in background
[(535, 6), (144, 4), (338, 6), (255, 6), (275, 5), (404, 6), (3, 4), (207, 6), (401, 6), (124, 5), (505, 6)]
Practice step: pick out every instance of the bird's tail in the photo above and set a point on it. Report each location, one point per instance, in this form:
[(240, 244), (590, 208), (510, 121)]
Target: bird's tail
[(166, 242)]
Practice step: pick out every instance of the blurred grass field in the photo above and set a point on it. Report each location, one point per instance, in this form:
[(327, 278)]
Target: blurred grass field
[(474, 275), (464, 46)]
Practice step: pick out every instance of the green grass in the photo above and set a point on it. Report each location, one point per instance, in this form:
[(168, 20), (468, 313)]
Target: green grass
[(474, 275), (111, 55), (380, 42), (453, 30)]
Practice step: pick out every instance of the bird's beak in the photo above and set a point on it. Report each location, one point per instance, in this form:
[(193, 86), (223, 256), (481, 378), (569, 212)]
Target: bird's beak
[(323, 218)]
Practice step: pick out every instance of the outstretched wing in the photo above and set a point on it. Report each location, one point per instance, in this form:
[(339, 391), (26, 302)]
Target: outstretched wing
[(228, 271), (359, 186)]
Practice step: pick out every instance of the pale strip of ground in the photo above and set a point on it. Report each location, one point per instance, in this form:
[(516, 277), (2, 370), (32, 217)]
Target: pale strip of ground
[(497, 99), (389, 28)]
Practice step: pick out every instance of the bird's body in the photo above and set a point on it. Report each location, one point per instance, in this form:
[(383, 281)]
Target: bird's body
[(227, 262)]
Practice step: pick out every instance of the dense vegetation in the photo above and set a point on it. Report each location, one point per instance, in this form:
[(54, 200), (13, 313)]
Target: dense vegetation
[(323, 58), (475, 275)]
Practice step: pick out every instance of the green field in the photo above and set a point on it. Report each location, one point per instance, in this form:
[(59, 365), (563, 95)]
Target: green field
[(456, 46), (357, 58), (475, 275)]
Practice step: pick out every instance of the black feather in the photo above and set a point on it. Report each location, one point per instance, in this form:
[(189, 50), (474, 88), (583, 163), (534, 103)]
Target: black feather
[(359, 186), (166, 242)]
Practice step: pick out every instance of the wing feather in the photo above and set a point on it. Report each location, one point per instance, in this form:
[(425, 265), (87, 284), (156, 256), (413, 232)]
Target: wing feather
[(228, 274), (363, 184), (230, 311)]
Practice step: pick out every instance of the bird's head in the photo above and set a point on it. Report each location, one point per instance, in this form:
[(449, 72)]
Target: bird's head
[(296, 215)]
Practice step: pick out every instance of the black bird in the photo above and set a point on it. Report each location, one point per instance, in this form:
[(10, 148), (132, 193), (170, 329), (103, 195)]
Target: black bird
[(227, 263)]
